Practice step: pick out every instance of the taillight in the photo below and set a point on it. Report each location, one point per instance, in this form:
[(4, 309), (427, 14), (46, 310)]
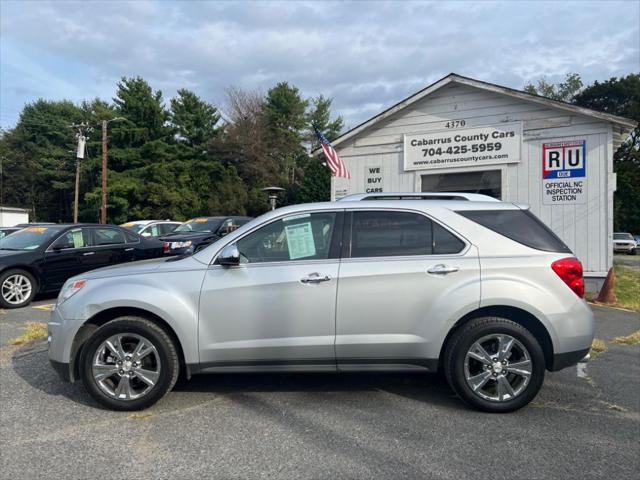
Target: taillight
[(165, 247), (570, 271)]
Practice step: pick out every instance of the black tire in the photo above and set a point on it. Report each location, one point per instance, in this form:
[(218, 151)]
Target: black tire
[(30, 278), (166, 352), (462, 341)]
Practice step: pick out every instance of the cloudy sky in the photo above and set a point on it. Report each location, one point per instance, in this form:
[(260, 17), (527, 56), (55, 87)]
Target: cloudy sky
[(366, 55)]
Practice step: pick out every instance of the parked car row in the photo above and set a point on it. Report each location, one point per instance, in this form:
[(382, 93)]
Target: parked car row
[(38, 258)]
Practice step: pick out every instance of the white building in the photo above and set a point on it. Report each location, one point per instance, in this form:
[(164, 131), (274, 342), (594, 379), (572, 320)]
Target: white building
[(10, 216), (465, 135)]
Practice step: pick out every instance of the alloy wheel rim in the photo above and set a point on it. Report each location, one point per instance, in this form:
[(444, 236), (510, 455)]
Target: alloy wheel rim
[(498, 367), (16, 289), (126, 366)]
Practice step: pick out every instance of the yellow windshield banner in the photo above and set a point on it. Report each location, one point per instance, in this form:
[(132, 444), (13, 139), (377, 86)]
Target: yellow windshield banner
[(36, 229)]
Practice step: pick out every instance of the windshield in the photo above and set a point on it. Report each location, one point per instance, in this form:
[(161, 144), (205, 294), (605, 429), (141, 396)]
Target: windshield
[(134, 227), (200, 225), (622, 236), (29, 238)]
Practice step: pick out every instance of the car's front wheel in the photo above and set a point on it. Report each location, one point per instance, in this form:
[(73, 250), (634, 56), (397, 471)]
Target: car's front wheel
[(17, 288), (494, 364), (129, 364)]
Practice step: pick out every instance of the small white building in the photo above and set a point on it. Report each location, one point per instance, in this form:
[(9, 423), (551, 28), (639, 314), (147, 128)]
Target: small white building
[(10, 216), (464, 135)]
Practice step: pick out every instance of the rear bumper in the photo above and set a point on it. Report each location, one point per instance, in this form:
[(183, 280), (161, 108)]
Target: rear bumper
[(567, 359)]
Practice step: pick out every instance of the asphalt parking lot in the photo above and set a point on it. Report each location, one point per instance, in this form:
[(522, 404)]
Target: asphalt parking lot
[(585, 423)]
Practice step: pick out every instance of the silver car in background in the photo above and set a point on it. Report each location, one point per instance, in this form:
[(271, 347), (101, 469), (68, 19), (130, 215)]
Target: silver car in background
[(624, 243), (480, 290)]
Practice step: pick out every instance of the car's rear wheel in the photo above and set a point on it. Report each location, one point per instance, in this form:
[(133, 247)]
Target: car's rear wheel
[(129, 364), (494, 364), (17, 288)]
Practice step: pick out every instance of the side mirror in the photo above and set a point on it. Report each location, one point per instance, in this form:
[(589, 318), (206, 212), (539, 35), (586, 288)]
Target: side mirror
[(229, 256), (146, 234)]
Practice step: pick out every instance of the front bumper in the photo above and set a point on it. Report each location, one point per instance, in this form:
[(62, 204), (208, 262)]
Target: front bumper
[(62, 331), (62, 369)]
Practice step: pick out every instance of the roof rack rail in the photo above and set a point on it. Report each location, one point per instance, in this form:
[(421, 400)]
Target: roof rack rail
[(473, 197)]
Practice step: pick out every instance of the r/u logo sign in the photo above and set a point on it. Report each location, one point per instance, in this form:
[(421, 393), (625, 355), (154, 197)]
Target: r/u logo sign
[(564, 159)]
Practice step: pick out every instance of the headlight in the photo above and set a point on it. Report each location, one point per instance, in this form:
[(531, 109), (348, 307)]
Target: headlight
[(70, 289)]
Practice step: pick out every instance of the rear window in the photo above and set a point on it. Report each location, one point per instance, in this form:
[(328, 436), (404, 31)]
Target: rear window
[(519, 225), (389, 234)]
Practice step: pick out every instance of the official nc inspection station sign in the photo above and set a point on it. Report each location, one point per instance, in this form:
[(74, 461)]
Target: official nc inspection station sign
[(464, 147), (564, 172)]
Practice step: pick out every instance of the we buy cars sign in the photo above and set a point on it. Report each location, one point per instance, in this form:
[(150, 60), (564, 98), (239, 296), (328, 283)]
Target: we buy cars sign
[(564, 172)]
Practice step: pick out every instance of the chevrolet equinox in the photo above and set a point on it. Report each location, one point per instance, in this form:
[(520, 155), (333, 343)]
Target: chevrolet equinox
[(480, 290)]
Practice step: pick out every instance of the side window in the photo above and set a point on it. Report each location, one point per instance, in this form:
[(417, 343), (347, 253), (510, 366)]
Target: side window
[(131, 237), (298, 237), (75, 238), (445, 242), (168, 227), (389, 234), (107, 236), (152, 231)]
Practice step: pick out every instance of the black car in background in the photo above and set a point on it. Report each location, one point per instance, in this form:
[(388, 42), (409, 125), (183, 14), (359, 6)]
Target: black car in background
[(197, 233), (41, 258), (4, 231)]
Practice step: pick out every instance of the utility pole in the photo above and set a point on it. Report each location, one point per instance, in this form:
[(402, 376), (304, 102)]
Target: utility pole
[(103, 204), (76, 197), (83, 128)]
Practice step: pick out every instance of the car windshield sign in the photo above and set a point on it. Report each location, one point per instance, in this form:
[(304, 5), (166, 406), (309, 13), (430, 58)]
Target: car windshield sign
[(201, 224), (29, 238), (134, 227)]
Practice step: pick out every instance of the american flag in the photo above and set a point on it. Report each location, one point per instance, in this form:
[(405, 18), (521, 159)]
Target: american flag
[(335, 163)]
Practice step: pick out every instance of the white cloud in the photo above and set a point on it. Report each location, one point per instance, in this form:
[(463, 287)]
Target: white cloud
[(365, 55)]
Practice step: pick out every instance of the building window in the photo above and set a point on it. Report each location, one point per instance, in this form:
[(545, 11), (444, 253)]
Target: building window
[(488, 182)]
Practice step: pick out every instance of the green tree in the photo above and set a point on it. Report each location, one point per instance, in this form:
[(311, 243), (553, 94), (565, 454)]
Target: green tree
[(319, 117), (621, 96), (39, 160), (194, 120), (563, 91), (286, 115), (316, 185)]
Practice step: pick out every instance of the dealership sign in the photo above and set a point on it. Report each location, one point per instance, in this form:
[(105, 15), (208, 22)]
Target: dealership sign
[(464, 147), (373, 179), (564, 172)]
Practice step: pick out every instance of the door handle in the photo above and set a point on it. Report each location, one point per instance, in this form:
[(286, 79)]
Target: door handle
[(315, 278), (88, 253), (441, 269)]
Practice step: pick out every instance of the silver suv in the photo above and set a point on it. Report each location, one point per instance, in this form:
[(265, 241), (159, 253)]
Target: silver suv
[(481, 291)]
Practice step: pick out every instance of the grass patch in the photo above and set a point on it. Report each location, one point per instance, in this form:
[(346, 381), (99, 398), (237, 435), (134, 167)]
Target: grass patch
[(598, 347), (627, 288), (140, 416), (32, 331), (631, 339), (616, 408)]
